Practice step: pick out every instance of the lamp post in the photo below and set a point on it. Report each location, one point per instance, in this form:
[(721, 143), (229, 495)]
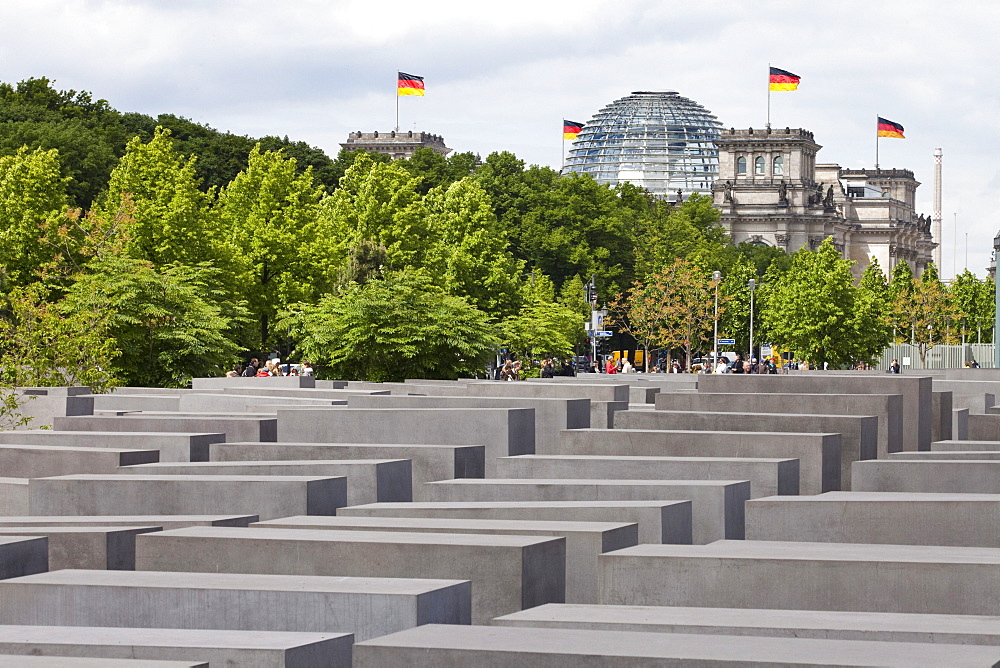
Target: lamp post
[(716, 278), (752, 284)]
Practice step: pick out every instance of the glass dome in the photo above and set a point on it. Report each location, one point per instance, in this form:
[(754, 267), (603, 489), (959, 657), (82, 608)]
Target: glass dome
[(654, 139)]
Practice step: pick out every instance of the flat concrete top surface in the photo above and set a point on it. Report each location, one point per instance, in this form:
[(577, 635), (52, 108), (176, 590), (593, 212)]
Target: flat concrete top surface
[(802, 551), (699, 434), (45, 531), (881, 497), (276, 462), (996, 443), (374, 536), (747, 618), (431, 505), (641, 458), (14, 481), (395, 409), (775, 415), (116, 477), (10, 661), (459, 525), (143, 415), (783, 396), (111, 520), (12, 540), (579, 482), (116, 434), (588, 642), (357, 445), (207, 638), (69, 448), (326, 584)]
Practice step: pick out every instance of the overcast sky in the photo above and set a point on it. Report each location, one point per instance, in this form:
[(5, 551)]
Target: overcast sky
[(503, 76)]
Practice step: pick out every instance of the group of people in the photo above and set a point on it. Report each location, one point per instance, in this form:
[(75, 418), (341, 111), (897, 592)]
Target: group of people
[(271, 367), (752, 365)]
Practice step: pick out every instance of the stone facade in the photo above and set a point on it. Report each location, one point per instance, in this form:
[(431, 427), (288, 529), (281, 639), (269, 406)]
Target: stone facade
[(771, 191), (397, 145)]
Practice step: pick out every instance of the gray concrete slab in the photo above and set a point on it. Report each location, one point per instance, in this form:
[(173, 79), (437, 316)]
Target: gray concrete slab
[(249, 403), (365, 606), (960, 424), (490, 647), (173, 447), (508, 573), (858, 434), (875, 626), (602, 413), (270, 382), (900, 475), (16, 661), (93, 547), (975, 395), (23, 555), (658, 521), (162, 521), (897, 518), (222, 648), (888, 408), (947, 454), (235, 428), (804, 576), (818, 454), (40, 461), (551, 415), (965, 446), (584, 540), (368, 480), (767, 476), (984, 427), (502, 431), (943, 409), (716, 505), (265, 496), (42, 405), (916, 391), (552, 390), (14, 498), (428, 462)]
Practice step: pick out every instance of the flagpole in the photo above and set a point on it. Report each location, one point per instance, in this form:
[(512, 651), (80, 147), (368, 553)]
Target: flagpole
[(397, 100), (769, 95), (876, 142)]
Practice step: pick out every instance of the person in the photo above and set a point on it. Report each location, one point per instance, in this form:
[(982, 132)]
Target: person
[(547, 369), (974, 365), (675, 367), (306, 370), (723, 365), (507, 372), (894, 367), (738, 364), (595, 367), (627, 366), (251, 369), (610, 366), (516, 370)]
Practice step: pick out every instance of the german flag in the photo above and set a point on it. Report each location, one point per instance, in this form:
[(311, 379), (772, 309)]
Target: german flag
[(889, 129), (783, 80), (571, 129), (410, 84)]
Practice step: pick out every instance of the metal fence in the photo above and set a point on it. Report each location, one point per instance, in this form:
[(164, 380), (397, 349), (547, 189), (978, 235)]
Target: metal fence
[(939, 356)]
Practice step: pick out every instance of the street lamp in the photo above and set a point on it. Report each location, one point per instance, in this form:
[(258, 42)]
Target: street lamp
[(752, 284), (716, 279)]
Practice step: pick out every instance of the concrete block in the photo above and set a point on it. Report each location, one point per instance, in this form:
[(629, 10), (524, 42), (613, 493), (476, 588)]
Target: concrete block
[(602, 413), (265, 496), (900, 475), (658, 521), (16, 661), (941, 425), (490, 647), (23, 555), (365, 606), (873, 626), (93, 547), (508, 573), (984, 427), (965, 446), (584, 540), (249, 403), (959, 424), (767, 476), (42, 405), (916, 391), (975, 395), (551, 390), (173, 447), (947, 454), (14, 496), (162, 521), (895, 518), (502, 431), (804, 576), (858, 434), (270, 382), (888, 408), (818, 454), (428, 462), (235, 428), (41, 461), (551, 415), (716, 505), (222, 648), (137, 402), (368, 480)]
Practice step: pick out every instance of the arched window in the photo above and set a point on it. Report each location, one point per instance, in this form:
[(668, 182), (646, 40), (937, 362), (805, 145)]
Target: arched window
[(741, 165), (778, 166), (758, 166)]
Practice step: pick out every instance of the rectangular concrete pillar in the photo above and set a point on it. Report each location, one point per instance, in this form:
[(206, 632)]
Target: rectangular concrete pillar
[(91, 547), (901, 475), (173, 447), (23, 555), (236, 428)]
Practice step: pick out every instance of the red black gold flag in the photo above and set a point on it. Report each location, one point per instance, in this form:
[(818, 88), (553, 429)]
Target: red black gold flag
[(409, 84), (571, 129), (783, 80), (889, 129)]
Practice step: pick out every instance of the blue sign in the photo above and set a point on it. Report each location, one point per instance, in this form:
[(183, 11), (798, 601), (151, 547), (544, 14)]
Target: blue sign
[(727, 342), (604, 334)]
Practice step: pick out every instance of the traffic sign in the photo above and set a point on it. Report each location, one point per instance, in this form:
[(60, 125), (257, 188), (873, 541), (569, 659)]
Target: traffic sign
[(727, 342), (604, 334)]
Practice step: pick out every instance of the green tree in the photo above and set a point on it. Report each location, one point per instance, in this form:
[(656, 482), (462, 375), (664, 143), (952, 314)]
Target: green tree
[(974, 302), (398, 326), (271, 211), (872, 313), (811, 308), (734, 321), (542, 326), (901, 287), (930, 312)]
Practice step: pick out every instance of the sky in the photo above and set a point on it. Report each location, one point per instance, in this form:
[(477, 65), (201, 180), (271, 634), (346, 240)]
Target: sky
[(503, 76)]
